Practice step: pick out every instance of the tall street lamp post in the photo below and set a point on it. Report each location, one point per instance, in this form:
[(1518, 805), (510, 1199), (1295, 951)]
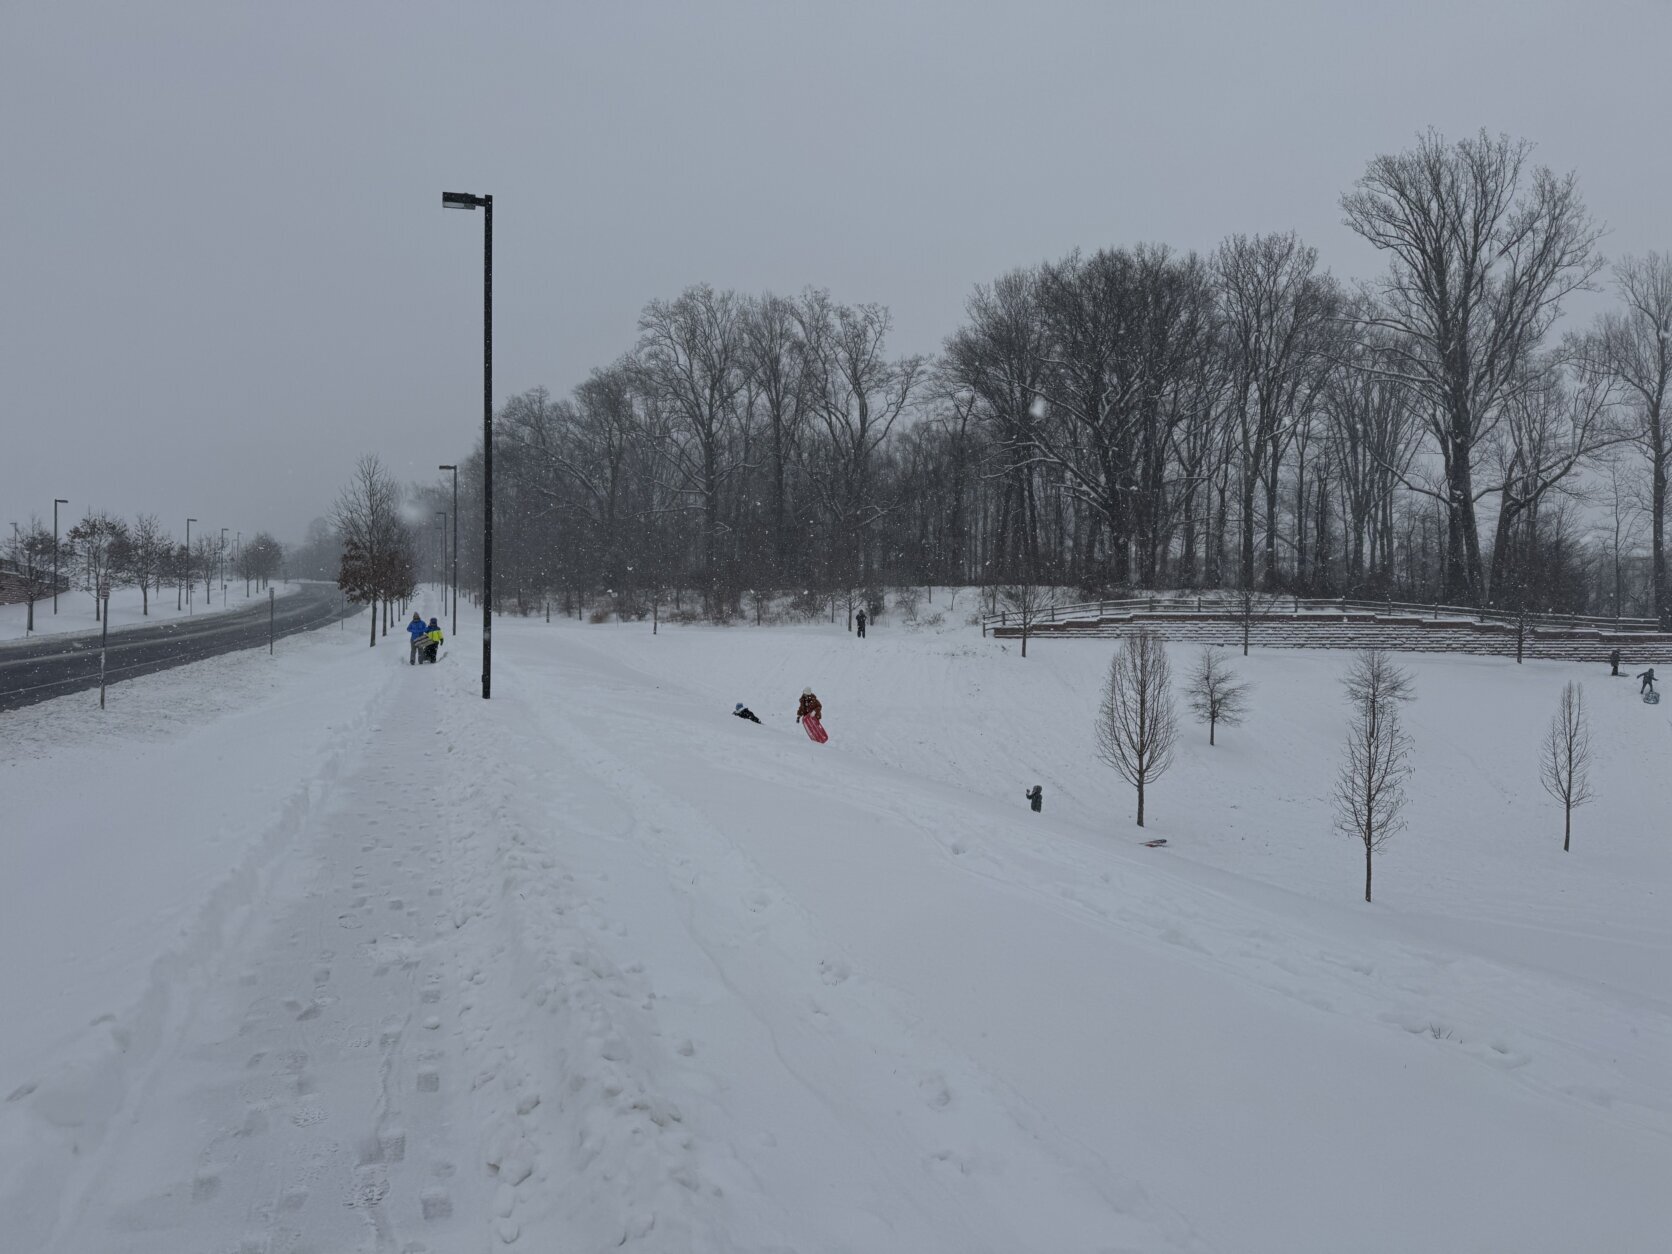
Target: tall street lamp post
[(464, 200), (56, 502), (191, 579), (441, 571), (220, 557), (455, 471)]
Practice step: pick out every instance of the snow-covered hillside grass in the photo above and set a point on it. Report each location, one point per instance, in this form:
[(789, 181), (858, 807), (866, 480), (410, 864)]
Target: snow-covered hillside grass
[(76, 610), (595, 964)]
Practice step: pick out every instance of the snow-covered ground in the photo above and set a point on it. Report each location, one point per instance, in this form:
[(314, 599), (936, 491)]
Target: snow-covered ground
[(76, 610), (323, 952)]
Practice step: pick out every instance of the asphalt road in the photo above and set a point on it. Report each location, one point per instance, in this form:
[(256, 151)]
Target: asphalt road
[(43, 669)]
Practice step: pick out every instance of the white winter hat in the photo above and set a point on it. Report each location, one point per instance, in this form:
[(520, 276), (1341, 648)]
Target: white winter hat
[(806, 692)]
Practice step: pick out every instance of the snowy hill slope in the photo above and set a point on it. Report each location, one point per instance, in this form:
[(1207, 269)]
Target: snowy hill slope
[(607, 966)]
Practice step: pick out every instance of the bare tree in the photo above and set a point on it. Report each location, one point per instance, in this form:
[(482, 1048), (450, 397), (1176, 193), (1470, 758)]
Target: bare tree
[(143, 555), (1566, 762), (693, 358), (1622, 529), (1215, 694), (372, 536), (29, 551), (1136, 725), (1483, 252), (96, 540), (1550, 429), (261, 559), (1374, 433), (1636, 348), (857, 395), (1280, 319), (1370, 785), (1029, 601), (1249, 607)]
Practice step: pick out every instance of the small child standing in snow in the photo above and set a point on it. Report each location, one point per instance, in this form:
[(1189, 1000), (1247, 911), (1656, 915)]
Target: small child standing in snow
[(1648, 678), (1036, 798)]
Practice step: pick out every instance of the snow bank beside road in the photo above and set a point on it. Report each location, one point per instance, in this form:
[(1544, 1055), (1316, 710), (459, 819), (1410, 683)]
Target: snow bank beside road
[(76, 611), (138, 841)]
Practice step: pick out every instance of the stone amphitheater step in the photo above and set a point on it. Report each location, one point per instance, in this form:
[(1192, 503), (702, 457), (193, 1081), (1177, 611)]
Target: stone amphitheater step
[(1367, 631)]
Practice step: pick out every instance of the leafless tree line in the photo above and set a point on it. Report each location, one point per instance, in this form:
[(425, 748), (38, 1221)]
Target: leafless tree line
[(1140, 417), (103, 549)]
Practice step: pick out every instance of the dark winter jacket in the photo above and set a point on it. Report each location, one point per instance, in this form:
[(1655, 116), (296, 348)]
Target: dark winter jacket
[(744, 711), (809, 705), (1036, 797)]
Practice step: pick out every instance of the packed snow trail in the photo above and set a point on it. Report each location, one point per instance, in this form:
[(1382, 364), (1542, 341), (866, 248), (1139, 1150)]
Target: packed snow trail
[(314, 1098)]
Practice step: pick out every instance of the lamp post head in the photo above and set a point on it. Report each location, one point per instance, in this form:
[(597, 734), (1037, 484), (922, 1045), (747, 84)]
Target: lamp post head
[(462, 200), (452, 468), (58, 500)]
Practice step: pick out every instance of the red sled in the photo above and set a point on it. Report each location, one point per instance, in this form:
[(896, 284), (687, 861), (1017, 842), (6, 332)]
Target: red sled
[(815, 730)]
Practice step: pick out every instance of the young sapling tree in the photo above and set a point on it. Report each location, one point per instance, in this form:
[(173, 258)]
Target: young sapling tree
[(1215, 693), (1370, 785), (1566, 760), (1136, 724)]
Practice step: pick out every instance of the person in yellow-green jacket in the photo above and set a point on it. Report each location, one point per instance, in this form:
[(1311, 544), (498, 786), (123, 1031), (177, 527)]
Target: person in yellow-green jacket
[(432, 641)]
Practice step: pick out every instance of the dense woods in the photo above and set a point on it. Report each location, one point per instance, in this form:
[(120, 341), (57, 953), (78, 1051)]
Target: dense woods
[(1134, 417)]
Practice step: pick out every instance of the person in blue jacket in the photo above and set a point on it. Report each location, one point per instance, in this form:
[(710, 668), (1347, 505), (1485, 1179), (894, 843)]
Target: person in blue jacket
[(417, 631)]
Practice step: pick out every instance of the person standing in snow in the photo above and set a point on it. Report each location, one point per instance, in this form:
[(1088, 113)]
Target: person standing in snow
[(1614, 662), (1648, 678), (742, 711), (861, 621), (1036, 798), (417, 631), (809, 705), (432, 640)]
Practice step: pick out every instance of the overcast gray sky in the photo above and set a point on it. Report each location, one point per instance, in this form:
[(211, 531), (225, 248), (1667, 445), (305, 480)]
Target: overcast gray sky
[(225, 272)]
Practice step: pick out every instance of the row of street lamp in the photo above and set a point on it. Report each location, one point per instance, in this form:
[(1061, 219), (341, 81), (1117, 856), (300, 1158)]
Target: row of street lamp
[(59, 500)]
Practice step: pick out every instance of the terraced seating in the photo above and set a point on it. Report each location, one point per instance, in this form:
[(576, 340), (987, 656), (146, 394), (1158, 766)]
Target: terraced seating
[(1357, 629)]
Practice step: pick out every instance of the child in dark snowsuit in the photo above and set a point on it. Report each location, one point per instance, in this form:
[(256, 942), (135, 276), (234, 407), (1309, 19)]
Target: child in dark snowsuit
[(743, 711), (1036, 798), (1648, 678)]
